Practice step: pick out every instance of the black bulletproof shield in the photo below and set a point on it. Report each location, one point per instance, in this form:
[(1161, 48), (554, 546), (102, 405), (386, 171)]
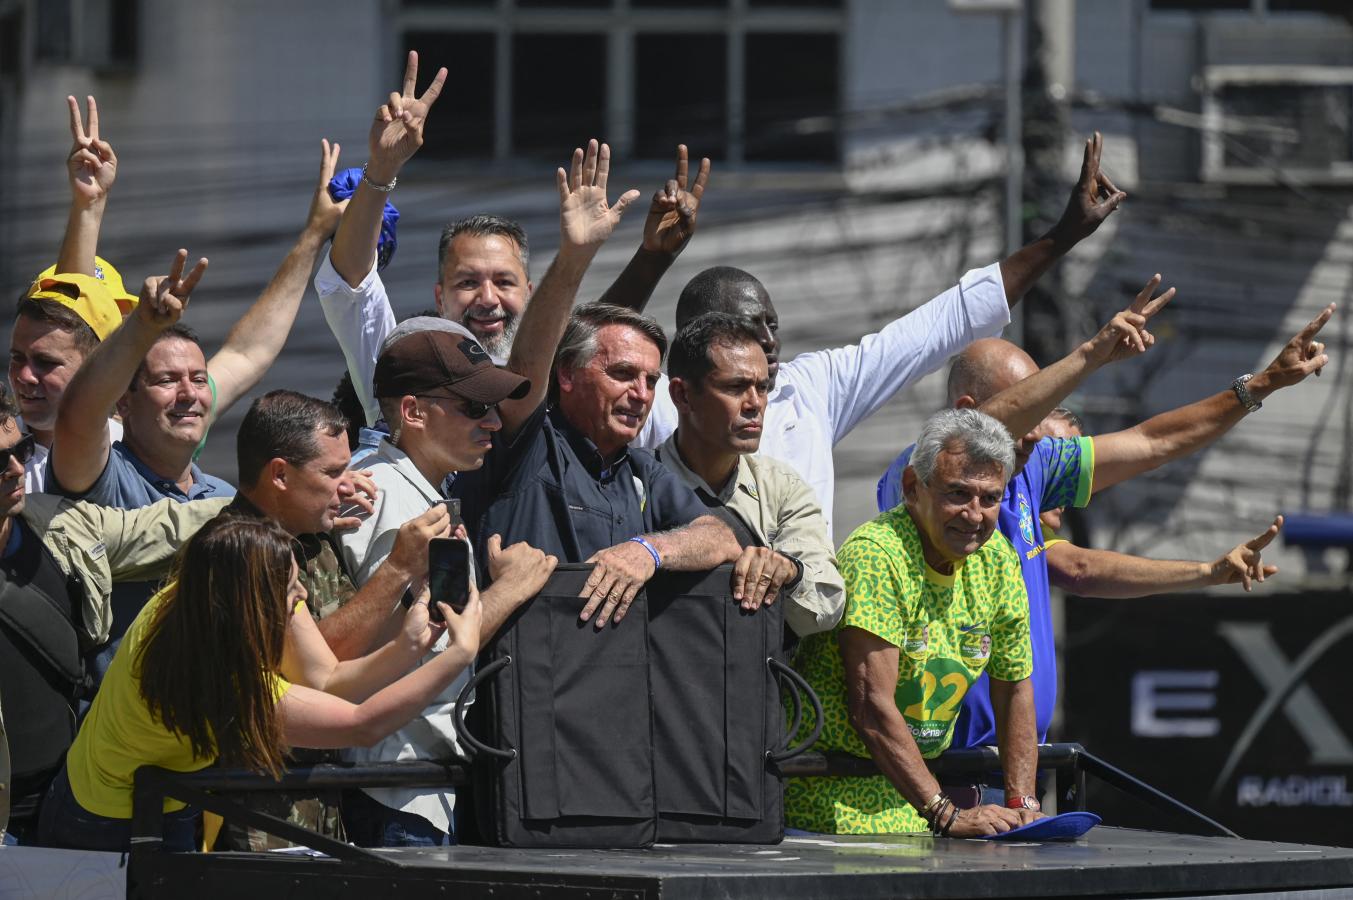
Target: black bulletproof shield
[(665, 727), (565, 707)]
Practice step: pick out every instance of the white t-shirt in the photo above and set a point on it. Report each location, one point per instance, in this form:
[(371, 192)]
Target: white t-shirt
[(404, 495), (35, 472), (820, 396)]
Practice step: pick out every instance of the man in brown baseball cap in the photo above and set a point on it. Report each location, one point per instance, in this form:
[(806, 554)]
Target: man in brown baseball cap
[(438, 392), (427, 357)]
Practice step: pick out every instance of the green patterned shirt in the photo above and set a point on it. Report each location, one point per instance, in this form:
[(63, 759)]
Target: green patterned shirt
[(947, 628)]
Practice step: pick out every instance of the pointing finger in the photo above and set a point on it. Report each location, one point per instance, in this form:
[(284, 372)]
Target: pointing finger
[(77, 128), (176, 267), (1144, 295), (411, 73), (1313, 327), (1087, 164), (575, 171), (1267, 537), (682, 164)]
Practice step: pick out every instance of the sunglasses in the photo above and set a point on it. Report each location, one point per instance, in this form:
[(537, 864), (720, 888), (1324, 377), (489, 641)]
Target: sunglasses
[(22, 451), (471, 409)]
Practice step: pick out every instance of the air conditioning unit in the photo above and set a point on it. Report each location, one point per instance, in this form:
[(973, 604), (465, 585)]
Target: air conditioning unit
[(1268, 123)]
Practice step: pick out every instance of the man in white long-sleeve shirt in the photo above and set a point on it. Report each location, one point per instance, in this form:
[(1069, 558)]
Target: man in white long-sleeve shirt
[(816, 398)]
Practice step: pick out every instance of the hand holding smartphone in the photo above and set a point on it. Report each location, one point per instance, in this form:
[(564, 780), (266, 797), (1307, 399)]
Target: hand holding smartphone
[(448, 575)]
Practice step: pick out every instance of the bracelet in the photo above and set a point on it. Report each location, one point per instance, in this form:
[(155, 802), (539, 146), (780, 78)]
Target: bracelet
[(383, 188), (953, 817), (1243, 394), (652, 551), (945, 807), (936, 801)]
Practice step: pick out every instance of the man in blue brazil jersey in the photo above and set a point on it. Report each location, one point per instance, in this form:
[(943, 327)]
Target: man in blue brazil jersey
[(1000, 379)]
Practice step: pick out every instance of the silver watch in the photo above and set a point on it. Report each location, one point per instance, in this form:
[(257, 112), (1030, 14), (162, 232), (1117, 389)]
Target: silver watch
[(1243, 393)]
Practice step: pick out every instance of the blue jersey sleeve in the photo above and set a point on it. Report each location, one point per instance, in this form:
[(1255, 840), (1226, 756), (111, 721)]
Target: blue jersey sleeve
[(890, 485), (1068, 466)]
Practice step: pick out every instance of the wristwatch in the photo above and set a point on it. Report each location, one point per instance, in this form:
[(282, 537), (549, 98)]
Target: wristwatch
[(1243, 393), (1025, 802)]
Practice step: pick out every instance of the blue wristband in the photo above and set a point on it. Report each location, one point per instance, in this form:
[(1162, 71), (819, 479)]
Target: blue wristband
[(652, 551)]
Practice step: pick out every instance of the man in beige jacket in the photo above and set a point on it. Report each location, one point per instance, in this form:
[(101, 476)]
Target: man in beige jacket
[(719, 384)]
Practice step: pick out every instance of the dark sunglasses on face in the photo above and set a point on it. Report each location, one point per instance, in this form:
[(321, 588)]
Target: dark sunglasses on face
[(470, 409), (22, 451)]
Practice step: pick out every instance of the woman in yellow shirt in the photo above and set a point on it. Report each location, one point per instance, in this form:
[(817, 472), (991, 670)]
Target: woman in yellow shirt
[(198, 678)]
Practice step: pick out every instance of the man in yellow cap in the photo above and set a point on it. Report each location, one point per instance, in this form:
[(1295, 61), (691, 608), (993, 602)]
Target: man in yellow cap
[(58, 323), (63, 317)]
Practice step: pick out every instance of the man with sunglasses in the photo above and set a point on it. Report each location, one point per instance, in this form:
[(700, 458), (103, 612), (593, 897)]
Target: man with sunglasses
[(59, 561), (439, 392)]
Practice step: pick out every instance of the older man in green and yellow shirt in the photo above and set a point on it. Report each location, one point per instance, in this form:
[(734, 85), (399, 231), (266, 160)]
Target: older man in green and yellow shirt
[(934, 598)]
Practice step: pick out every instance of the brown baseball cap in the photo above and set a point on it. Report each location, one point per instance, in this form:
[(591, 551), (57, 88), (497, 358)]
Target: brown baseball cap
[(443, 362)]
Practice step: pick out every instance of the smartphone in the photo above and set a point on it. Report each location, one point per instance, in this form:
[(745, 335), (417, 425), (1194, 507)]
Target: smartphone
[(448, 575), (453, 510)]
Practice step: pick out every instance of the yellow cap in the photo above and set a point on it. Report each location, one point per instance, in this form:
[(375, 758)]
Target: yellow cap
[(103, 271), (85, 295)]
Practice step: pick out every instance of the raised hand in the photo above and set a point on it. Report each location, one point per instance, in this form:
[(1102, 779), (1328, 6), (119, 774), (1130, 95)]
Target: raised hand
[(1093, 199), (325, 212), (1244, 564), (671, 216), (1126, 334), (586, 220), (397, 132), (92, 164), (1298, 358), (165, 297)]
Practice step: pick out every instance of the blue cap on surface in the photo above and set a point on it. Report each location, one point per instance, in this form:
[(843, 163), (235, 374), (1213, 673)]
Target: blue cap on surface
[(1066, 826), (344, 185)]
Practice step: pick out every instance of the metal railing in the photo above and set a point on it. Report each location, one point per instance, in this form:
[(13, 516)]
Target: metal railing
[(210, 789)]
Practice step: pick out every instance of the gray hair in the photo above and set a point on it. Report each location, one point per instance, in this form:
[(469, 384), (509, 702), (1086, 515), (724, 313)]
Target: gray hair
[(579, 343), (978, 435), (484, 226)]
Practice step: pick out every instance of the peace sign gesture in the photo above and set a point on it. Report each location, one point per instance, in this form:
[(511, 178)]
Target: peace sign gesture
[(165, 297), (1298, 358), (671, 215), (1125, 335), (585, 218), (397, 132), (1093, 199), (92, 164), (1244, 564)]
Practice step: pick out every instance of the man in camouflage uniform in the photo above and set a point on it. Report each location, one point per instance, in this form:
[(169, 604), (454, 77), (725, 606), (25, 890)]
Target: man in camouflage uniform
[(934, 598), (293, 456)]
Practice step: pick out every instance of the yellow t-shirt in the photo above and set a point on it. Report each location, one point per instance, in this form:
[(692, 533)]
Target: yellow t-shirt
[(120, 734)]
